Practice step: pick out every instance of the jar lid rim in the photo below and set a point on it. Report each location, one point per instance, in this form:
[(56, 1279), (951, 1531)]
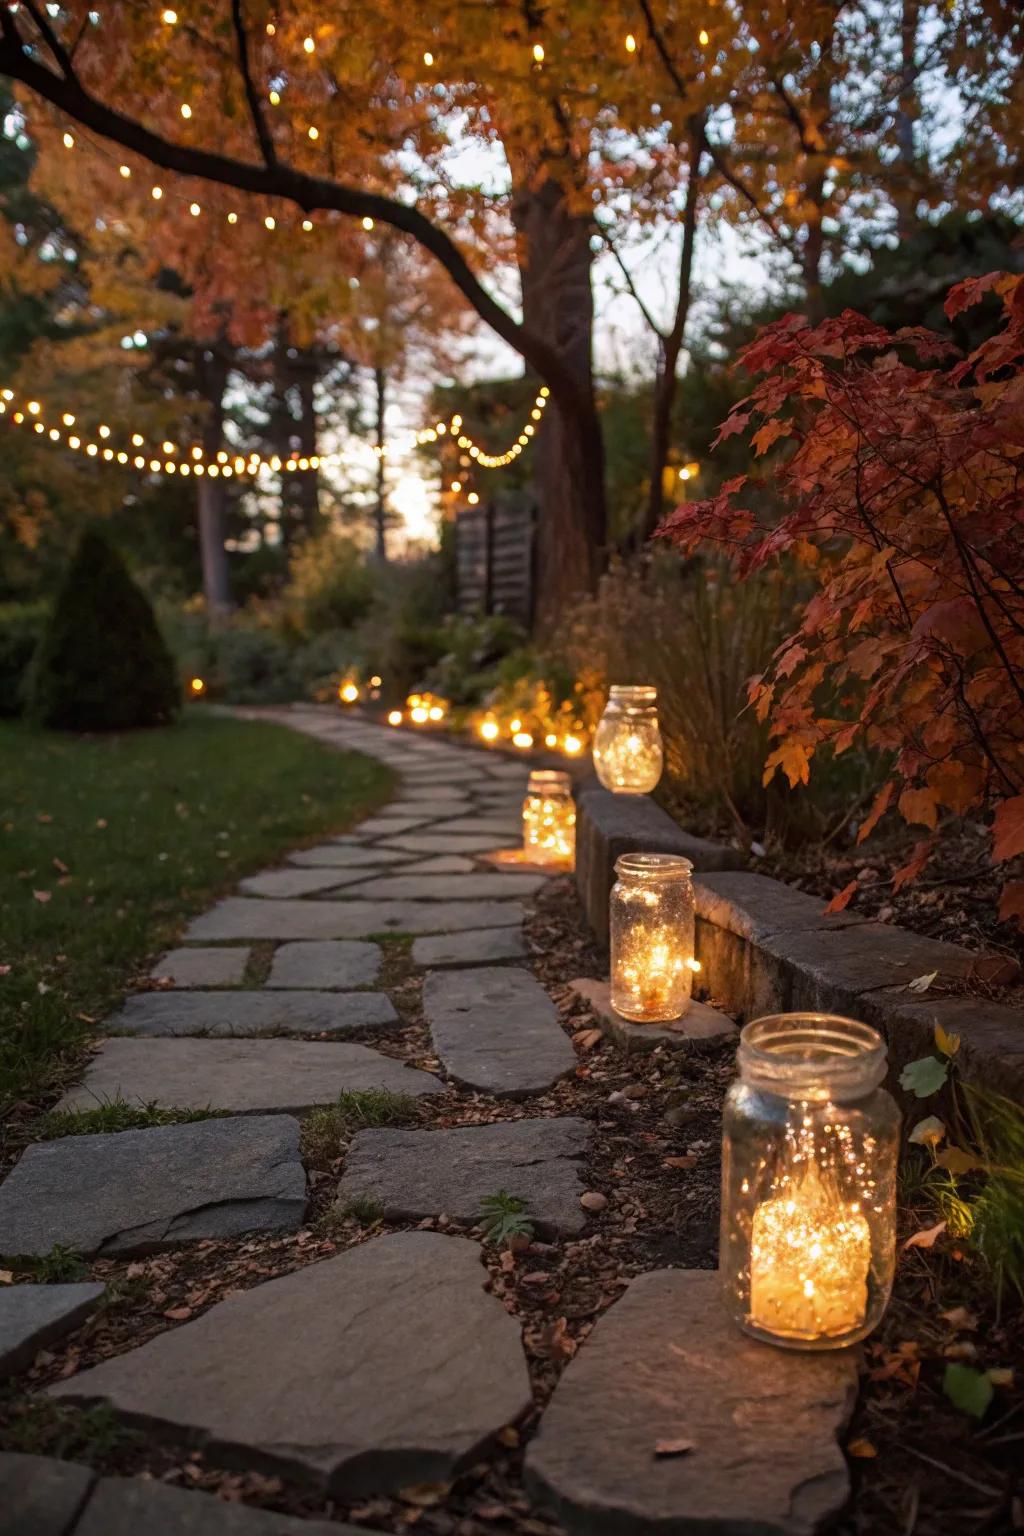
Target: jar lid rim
[(809, 1049), (646, 690), (653, 864)]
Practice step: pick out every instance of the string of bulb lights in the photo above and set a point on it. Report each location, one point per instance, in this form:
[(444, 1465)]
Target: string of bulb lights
[(170, 460)]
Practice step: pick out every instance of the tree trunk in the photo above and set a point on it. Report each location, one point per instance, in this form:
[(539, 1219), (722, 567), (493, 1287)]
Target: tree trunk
[(307, 491), (555, 268), (210, 494), (380, 513), (668, 357)]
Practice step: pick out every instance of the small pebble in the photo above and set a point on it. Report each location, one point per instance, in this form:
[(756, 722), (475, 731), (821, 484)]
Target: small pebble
[(593, 1200)]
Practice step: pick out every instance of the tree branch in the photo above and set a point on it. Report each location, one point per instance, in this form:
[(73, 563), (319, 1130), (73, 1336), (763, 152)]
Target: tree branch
[(283, 181), (259, 122), (627, 276)]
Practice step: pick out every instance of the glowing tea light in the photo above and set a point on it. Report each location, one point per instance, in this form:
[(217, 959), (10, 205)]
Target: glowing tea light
[(348, 693), (549, 819), (197, 686), (419, 714), (652, 937), (490, 730), (523, 740), (810, 1142), (628, 755), (394, 717)]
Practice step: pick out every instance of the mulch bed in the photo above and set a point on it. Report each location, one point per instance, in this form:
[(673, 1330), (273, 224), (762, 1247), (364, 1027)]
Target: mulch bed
[(920, 1467)]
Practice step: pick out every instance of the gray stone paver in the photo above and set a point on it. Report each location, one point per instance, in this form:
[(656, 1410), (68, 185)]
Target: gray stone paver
[(121, 1506), (202, 967), (252, 917), (387, 826), (241, 1076), (667, 1364), (385, 1366), (134, 1191), (438, 864), (434, 842), (700, 1023), (40, 1496), (328, 963), (344, 856), (417, 1173), (298, 882), (504, 826), (32, 1316), (496, 1030), (473, 887), (482, 946), (254, 1013)]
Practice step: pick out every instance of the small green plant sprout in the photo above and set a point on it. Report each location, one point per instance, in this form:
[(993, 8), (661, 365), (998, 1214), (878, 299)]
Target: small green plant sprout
[(503, 1218), (118, 1114), (326, 1131), (971, 1390), (363, 1209), (59, 1264)]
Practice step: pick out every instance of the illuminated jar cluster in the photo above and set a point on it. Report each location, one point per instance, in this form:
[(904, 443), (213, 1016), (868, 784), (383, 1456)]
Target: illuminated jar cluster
[(549, 819), (810, 1142), (651, 926), (628, 755)]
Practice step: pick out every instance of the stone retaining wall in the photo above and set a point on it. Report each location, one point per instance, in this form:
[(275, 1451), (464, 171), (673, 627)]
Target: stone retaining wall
[(765, 947)]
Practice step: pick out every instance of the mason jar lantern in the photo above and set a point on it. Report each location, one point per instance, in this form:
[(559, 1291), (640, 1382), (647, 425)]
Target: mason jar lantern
[(651, 925), (810, 1143), (628, 754), (549, 819)]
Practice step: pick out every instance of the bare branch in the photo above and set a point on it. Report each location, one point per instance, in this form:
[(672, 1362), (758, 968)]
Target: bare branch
[(259, 122), (627, 275)]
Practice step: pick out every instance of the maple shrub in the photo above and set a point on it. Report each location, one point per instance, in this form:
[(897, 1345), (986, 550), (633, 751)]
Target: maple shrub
[(902, 491)]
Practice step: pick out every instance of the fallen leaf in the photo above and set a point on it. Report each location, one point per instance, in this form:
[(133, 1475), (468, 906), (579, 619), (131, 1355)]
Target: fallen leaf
[(43, 896), (926, 1238), (673, 1447), (924, 1076), (956, 1160), (6, 1276), (60, 867), (949, 1043), (689, 1161), (967, 1389), (1001, 1376), (841, 900), (586, 1039), (960, 1318), (861, 1448), (425, 1495), (178, 1314), (928, 1132), (921, 983)]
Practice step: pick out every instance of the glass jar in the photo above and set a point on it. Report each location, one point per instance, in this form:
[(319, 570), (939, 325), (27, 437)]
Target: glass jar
[(651, 925), (628, 755), (549, 819), (810, 1143)]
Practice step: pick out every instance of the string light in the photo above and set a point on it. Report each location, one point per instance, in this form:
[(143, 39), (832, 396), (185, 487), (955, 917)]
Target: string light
[(538, 53), (256, 464), (630, 43), (367, 223), (703, 38), (309, 44)]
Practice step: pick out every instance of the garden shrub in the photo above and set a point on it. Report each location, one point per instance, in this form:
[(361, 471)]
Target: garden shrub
[(102, 664), (901, 498), (474, 648), (21, 627), (252, 665), (330, 586)]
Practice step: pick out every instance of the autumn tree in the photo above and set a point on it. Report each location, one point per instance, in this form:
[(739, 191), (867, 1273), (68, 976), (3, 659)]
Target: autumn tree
[(901, 496)]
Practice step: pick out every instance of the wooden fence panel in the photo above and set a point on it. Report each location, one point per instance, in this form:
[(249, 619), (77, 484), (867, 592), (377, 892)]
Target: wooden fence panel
[(494, 559)]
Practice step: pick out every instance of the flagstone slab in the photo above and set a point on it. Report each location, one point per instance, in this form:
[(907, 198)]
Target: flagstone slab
[(297, 882), (254, 1013), (244, 917), (667, 1364), (136, 1191), (381, 826), (385, 1366), (121, 1506), (434, 810), (32, 1316), (242, 1076), (439, 864), (445, 792), (481, 946), (329, 963), (505, 826), (202, 967), (699, 1024), (474, 887), (344, 856), (415, 1173), (497, 1030), (41, 1496), (435, 842)]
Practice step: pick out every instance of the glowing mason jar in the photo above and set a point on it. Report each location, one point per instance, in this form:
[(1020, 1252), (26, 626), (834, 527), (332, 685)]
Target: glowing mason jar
[(810, 1142), (549, 819), (628, 755), (651, 925)]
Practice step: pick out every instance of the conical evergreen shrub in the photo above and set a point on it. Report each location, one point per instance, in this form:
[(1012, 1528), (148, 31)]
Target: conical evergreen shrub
[(102, 664)]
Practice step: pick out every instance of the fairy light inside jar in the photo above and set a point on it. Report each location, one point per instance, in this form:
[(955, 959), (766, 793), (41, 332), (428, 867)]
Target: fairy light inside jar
[(549, 819), (652, 935)]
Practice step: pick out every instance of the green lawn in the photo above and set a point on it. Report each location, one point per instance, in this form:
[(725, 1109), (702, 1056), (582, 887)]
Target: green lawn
[(108, 844)]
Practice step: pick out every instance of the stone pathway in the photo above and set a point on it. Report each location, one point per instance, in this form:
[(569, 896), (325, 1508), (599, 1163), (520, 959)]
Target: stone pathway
[(390, 1364)]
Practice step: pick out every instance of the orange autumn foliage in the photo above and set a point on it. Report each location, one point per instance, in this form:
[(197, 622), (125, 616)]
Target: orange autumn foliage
[(902, 494)]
